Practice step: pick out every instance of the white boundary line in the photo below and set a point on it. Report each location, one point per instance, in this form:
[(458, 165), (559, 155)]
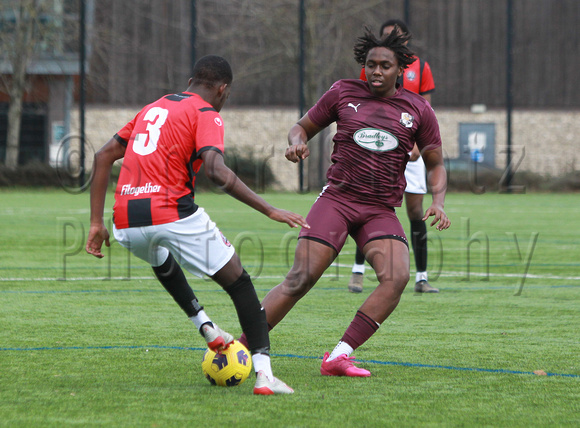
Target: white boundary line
[(443, 274)]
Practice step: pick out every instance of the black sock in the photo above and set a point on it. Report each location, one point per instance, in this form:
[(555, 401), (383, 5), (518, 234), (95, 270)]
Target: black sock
[(173, 279), (359, 257), (419, 242), (250, 313)]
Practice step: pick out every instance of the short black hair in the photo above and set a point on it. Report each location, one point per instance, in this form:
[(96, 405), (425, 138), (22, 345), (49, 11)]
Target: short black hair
[(212, 70), (393, 41), (392, 22)]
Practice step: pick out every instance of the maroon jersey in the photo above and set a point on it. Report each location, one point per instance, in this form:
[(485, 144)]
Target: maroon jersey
[(164, 142), (374, 136)]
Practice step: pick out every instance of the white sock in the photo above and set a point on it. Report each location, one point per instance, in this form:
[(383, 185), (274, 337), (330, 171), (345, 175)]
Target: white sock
[(261, 362), (358, 268), (200, 319), (341, 348), (421, 276)]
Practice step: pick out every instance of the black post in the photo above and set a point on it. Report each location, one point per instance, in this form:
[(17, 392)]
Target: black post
[(82, 78), (509, 98), (407, 12), (193, 35), (302, 102)]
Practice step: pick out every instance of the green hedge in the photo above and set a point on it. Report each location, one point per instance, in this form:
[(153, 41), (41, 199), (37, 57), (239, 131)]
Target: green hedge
[(258, 175)]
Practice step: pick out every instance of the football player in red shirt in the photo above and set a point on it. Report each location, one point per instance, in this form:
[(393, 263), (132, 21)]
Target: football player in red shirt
[(156, 216), (419, 79), (378, 122)]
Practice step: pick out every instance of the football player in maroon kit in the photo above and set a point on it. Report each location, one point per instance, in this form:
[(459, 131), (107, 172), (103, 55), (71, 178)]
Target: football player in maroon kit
[(419, 79), (378, 122), (156, 216)]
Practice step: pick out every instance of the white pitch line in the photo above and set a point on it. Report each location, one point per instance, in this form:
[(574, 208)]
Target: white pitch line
[(118, 278), (444, 274)]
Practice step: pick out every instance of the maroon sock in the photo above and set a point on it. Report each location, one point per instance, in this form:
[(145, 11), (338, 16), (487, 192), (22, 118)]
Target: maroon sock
[(360, 330), (244, 340)]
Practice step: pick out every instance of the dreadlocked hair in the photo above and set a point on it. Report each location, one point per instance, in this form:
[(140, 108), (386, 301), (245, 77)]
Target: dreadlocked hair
[(393, 41)]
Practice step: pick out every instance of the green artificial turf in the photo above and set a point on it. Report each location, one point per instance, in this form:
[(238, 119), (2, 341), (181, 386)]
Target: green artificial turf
[(90, 342)]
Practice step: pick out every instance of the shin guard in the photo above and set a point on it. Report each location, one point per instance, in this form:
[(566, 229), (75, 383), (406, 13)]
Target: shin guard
[(250, 313)]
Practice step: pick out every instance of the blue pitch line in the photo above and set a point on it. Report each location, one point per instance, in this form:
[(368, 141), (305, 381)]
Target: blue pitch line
[(435, 366), (384, 363)]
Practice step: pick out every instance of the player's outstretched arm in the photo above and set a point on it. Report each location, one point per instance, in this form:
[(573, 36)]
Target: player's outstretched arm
[(437, 177), (218, 172), (103, 162)]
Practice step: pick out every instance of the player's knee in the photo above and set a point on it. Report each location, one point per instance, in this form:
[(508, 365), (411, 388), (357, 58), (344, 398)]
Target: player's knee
[(298, 283), (241, 284), (414, 205), (415, 212), (398, 278), (402, 278)]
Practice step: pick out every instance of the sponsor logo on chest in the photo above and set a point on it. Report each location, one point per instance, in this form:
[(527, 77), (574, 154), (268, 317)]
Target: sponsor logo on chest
[(127, 189), (376, 140)]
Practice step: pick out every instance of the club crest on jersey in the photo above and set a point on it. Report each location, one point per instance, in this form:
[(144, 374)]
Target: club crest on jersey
[(225, 240), (218, 121), (410, 75), (376, 140), (406, 120)]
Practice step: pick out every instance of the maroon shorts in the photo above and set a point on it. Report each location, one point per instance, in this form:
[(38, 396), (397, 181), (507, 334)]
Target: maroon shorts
[(335, 215)]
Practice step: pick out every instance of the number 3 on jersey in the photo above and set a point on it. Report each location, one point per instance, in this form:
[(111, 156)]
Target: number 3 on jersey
[(145, 144)]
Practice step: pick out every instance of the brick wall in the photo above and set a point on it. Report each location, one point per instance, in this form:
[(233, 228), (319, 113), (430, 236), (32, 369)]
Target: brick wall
[(548, 137)]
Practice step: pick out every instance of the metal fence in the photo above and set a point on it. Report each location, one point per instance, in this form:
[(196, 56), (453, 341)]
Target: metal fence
[(142, 49)]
